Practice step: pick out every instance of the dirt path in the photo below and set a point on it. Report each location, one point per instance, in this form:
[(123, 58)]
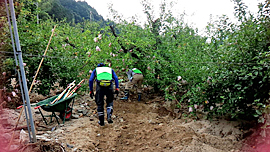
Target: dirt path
[(143, 127), (139, 127)]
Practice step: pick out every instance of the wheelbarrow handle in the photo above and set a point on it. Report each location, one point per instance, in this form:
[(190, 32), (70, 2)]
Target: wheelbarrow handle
[(19, 107), (37, 107)]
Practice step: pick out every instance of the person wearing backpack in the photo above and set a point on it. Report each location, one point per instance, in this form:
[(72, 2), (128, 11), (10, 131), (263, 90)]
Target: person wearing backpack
[(135, 77), (104, 87)]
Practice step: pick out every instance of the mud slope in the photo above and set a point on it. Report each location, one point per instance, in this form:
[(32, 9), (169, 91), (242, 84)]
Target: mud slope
[(137, 127), (142, 127)]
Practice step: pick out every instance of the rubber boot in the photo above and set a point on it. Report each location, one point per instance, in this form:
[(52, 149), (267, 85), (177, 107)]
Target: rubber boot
[(109, 114), (101, 118), (139, 96), (126, 95)]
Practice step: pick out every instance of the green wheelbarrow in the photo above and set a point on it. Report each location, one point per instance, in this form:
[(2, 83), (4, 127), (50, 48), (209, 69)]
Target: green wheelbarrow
[(64, 106)]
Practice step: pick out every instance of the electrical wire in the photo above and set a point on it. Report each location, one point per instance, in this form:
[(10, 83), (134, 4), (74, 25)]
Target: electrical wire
[(118, 59)]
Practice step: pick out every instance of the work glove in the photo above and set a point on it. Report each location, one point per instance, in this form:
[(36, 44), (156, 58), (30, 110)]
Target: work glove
[(91, 94), (116, 91)]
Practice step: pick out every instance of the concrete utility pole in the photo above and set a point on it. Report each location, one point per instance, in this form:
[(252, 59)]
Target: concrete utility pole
[(19, 53)]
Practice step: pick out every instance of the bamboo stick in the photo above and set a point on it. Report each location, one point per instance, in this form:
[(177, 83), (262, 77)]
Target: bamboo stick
[(71, 85), (60, 96), (69, 90), (14, 130), (73, 91), (42, 60)]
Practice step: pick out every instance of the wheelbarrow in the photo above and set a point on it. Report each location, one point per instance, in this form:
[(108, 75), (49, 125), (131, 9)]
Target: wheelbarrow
[(64, 106)]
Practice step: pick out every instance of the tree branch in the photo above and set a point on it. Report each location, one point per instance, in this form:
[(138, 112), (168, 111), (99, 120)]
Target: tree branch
[(121, 44)]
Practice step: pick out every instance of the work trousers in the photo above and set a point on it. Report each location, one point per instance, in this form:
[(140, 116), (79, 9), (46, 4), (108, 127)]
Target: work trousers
[(137, 79), (99, 98)]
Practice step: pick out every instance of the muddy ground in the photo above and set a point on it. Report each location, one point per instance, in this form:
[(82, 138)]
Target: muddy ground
[(149, 125)]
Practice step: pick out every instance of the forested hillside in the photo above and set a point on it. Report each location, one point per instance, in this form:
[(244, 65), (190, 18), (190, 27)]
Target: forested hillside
[(72, 11)]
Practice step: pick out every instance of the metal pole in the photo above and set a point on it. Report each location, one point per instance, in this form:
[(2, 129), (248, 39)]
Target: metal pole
[(16, 70), (19, 52), (11, 35)]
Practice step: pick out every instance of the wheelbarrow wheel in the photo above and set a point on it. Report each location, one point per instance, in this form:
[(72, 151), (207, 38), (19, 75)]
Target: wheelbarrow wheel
[(68, 114)]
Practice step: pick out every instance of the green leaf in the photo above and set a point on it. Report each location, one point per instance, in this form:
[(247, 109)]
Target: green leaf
[(258, 112)]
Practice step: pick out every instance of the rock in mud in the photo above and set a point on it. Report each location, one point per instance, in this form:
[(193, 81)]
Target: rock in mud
[(75, 116)]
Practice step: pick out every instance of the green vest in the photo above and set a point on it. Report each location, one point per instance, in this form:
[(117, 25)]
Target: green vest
[(135, 70), (104, 73)]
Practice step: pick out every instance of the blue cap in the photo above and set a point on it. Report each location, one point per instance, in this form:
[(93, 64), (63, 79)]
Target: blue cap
[(100, 65)]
